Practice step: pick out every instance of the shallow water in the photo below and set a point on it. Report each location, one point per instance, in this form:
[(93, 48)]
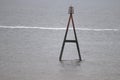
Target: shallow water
[(33, 53)]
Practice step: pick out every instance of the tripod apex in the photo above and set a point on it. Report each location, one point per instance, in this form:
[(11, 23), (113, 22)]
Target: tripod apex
[(71, 10)]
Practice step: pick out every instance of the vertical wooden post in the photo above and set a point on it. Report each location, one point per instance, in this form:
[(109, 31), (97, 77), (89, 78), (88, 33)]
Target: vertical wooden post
[(71, 11)]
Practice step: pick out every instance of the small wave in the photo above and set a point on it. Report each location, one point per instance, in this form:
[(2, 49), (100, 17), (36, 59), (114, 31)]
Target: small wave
[(52, 28)]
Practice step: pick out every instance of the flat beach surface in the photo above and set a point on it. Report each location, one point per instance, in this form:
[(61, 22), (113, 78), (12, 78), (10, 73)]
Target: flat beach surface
[(33, 53)]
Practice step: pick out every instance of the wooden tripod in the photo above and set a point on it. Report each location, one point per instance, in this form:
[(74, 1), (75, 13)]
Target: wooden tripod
[(72, 41)]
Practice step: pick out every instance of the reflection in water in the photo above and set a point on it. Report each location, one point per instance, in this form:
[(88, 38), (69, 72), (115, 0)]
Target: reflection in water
[(70, 65), (70, 69)]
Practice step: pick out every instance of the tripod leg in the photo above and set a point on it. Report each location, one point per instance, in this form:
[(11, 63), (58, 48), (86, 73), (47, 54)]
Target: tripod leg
[(64, 39), (76, 39), (61, 53), (78, 51)]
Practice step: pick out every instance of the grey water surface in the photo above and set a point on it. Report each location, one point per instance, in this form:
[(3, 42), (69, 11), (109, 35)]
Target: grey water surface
[(33, 54)]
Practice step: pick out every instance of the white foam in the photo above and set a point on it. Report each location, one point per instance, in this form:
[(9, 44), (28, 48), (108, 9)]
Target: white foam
[(52, 28)]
